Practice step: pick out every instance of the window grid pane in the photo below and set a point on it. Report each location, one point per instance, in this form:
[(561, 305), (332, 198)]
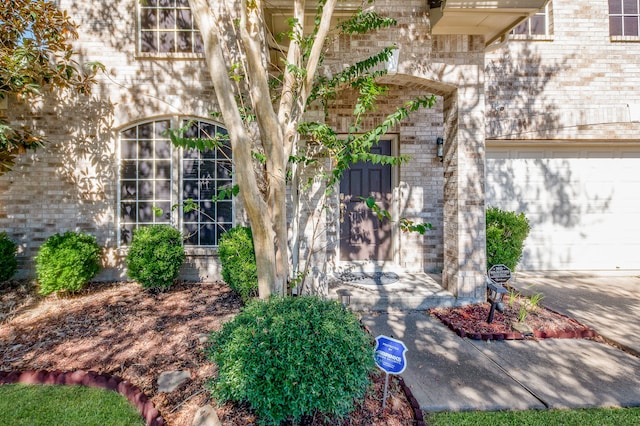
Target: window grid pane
[(145, 177), (624, 18), (535, 25), (167, 26), (202, 179)]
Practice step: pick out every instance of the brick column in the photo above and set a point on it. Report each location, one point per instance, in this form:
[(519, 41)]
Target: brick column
[(464, 209)]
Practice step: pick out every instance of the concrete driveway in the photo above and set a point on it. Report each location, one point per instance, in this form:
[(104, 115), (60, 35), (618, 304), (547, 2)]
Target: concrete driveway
[(608, 304)]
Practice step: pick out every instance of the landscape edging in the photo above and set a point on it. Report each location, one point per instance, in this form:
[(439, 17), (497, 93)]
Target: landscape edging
[(94, 379)]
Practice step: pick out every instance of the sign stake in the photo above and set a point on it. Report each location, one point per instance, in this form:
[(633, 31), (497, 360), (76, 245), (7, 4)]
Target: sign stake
[(386, 386), (389, 356)]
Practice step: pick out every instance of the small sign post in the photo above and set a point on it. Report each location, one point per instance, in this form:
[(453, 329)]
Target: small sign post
[(389, 357), (498, 275)]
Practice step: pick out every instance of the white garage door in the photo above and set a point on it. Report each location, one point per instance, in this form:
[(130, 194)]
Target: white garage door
[(583, 204)]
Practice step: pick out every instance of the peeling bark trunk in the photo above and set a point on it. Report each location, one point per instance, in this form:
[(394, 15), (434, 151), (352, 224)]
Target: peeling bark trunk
[(277, 130), (255, 205)]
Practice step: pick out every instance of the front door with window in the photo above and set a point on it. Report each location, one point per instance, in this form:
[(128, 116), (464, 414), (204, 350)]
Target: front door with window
[(362, 235)]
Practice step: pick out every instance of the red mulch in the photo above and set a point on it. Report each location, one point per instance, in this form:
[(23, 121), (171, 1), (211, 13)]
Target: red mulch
[(471, 321)]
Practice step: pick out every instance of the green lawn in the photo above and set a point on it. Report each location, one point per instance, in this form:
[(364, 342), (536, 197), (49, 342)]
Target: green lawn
[(64, 405), (591, 416)]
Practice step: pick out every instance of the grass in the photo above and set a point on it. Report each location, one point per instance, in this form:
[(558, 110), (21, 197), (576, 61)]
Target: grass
[(590, 416), (35, 405)]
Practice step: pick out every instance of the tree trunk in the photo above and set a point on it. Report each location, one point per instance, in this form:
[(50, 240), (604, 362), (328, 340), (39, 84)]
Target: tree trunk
[(256, 208)]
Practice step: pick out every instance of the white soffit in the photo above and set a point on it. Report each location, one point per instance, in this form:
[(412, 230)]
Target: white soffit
[(490, 18)]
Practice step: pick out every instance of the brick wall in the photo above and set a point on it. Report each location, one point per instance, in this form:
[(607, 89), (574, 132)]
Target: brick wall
[(72, 184), (574, 84)]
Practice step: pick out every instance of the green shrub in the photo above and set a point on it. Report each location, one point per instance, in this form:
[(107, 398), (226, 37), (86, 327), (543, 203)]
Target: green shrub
[(292, 357), (65, 263), (8, 262), (506, 232), (238, 260), (155, 256)]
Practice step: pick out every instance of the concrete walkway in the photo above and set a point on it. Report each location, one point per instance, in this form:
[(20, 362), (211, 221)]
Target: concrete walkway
[(608, 304), (447, 373)]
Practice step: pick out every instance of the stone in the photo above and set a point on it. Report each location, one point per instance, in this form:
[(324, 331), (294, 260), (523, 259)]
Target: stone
[(206, 416), (522, 328), (170, 380)]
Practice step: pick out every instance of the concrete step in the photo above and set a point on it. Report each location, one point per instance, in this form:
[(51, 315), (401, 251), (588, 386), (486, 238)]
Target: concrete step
[(395, 292)]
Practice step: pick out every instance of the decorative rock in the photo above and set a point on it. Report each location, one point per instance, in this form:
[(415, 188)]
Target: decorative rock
[(203, 337), (522, 328), (170, 380), (206, 416)]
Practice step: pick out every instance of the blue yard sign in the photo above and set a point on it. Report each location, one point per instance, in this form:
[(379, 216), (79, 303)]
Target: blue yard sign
[(389, 355)]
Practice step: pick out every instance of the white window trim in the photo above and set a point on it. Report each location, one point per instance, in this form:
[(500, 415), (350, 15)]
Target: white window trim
[(547, 36), (176, 156), (159, 55)]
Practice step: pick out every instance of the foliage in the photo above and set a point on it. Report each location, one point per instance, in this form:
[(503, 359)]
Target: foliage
[(534, 301), (238, 259), (66, 262), (406, 225), (8, 262), (506, 232), (264, 113), (155, 256), (590, 416), (27, 405), (292, 357), (36, 54)]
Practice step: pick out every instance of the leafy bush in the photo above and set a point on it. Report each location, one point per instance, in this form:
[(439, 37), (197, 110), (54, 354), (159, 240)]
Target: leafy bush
[(8, 262), (292, 357), (65, 263), (238, 260), (506, 232), (155, 256)]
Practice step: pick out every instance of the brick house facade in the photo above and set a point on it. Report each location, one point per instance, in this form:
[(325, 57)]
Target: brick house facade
[(562, 135), (109, 162)]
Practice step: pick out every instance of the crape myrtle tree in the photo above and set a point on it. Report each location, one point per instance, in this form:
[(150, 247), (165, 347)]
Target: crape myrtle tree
[(262, 103), (36, 56)]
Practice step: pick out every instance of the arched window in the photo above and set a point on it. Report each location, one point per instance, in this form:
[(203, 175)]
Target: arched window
[(155, 176)]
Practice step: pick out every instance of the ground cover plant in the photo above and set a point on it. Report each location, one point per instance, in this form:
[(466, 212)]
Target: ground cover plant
[(33, 405), (591, 416), (66, 262)]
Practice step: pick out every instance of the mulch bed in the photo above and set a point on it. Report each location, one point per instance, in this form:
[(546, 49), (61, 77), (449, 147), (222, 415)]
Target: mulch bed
[(471, 321), (118, 335)]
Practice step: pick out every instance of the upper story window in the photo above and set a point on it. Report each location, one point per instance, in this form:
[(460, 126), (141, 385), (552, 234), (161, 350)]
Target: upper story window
[(536, 25), (167, 26), (623, 17), (155, 176)]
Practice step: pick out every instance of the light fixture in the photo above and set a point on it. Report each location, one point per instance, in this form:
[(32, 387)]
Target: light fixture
[(345, 297), (440, 143)]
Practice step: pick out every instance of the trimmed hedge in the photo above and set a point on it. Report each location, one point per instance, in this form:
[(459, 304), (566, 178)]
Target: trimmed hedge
[(65, 263), (238, 260), (506, 232), (8, 261), (291, 357), (155, 256)]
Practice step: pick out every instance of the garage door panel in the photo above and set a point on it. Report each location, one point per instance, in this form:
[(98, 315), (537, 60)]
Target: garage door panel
[(583, 205)]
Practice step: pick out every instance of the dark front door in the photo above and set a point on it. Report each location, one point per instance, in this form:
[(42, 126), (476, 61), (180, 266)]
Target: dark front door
[(362, 235)]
